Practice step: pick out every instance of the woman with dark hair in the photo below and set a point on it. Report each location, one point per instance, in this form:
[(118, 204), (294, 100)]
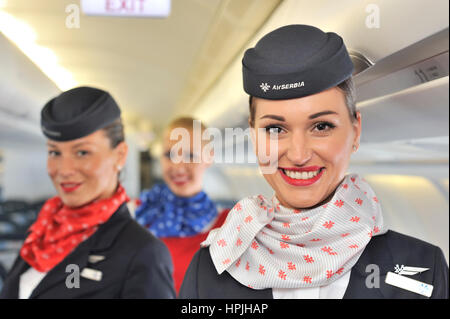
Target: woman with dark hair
[(322, 234), (84, 243)]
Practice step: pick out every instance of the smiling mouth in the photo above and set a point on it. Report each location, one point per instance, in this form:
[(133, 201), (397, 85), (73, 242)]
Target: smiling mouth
[(179, 181), (69, 187), (302, 176)]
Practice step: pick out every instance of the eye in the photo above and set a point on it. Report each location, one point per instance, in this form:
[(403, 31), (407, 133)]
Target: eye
[(273, 129), (82, 153), (324, 126), (52, 153)]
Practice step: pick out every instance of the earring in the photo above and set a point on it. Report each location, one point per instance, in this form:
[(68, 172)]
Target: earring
[(355, 148), (119, 168)]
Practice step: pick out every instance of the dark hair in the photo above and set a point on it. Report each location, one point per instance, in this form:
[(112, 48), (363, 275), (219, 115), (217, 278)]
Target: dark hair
[(347, 87), (115, 132)]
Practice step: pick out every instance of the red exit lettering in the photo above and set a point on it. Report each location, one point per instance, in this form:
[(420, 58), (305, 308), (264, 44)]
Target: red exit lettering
[(125, 6)]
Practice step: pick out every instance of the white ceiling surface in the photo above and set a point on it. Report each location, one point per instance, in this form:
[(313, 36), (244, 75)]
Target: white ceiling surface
[(153, 67), (191, 62), (22, 88)]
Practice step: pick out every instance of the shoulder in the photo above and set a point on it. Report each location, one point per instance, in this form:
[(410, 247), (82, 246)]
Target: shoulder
[(142, 239), (202, 281), (201, 269), (393, 249), (221, 217), (129, 236), (403, 249), (402, 244), (149, 267), (202, 261)]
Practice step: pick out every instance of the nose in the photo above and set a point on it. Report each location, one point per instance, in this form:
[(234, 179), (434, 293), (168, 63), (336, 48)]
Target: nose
[(64, 167), (179, 168), (299, 149)]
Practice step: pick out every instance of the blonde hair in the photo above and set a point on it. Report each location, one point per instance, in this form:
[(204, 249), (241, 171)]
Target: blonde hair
[(186, 122)]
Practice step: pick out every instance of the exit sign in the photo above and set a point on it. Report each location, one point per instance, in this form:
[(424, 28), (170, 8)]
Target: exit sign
[(127, 8)]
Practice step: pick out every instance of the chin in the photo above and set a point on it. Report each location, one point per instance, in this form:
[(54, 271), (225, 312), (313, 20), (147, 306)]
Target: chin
[(184, 191), (306, 205), (73, 201), (299, 199), (299, 204)]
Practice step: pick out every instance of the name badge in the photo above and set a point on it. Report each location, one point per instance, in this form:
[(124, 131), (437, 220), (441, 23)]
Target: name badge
[(409, 284), (95, 258), (91, 274)]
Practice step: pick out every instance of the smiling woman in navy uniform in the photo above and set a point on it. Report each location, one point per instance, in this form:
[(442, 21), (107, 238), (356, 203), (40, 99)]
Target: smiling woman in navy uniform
[(322, 234), (84, 243)]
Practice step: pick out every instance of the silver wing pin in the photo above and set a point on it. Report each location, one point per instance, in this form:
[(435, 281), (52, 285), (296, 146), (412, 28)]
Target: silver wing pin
[(408, 271)]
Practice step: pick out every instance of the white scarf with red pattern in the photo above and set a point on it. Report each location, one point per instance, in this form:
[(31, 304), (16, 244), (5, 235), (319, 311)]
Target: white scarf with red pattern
[(265, 245)]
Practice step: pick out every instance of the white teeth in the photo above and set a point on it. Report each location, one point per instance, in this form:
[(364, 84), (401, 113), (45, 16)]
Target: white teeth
[(301, 175)]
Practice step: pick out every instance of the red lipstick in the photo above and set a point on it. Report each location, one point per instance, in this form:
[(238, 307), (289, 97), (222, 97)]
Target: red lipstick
[(69, 187), (301, 182)]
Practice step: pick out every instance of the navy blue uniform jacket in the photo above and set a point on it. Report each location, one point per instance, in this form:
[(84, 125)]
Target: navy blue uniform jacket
[(386, 251), (135, 265)]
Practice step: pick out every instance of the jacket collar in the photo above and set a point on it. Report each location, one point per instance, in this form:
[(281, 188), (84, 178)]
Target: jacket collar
[(107, 233)]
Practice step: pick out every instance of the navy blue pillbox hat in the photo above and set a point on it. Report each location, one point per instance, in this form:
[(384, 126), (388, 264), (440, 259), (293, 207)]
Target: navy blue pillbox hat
[(295, 61), (77, 113)]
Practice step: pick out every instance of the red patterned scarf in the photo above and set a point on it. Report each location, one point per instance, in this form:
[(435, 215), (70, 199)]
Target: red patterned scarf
[(59, 229)]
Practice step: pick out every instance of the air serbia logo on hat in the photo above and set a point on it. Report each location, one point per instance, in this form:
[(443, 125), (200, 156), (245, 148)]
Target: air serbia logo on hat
[(48, 132), (266, 87)]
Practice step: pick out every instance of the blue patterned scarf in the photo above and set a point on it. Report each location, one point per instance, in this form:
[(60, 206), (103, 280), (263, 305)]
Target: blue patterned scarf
[(168, 215)]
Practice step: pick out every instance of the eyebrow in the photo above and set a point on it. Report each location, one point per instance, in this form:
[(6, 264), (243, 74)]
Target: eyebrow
[(316, 115), (51, 145), (311, 117), (271, 116), (73, 146)]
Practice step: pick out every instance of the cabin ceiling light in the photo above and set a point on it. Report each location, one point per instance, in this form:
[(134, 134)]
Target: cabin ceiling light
[(24, 37)]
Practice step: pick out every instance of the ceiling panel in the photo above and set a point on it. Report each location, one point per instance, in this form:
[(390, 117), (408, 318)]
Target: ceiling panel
[(155, 68)]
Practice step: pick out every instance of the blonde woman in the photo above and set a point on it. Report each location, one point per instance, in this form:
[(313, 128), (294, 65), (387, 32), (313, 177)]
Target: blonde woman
[(179, 211)]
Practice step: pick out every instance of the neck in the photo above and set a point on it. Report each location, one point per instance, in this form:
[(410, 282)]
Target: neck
[(108, 193)]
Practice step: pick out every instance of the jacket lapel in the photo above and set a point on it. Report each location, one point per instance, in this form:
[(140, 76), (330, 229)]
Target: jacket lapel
[(367, 280), (58, 274), (11, 285), (101, 240)]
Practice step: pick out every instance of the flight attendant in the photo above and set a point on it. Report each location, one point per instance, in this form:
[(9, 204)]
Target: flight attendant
[(322, 234), (84, 243), (179, 211)]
